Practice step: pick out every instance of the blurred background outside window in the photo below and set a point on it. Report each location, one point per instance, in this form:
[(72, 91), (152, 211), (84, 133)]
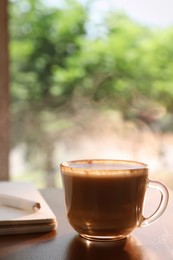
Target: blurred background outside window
[(90, 79)]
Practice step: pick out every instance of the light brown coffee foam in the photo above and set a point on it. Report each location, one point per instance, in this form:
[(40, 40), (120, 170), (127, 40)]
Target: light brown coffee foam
[(104, 169)]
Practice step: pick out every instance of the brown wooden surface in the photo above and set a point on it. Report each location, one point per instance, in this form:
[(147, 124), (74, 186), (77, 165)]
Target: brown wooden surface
[(154, 242), (4, 96)]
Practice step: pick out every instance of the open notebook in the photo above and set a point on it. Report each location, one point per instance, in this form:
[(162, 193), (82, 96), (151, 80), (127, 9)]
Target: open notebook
[(13, 220)]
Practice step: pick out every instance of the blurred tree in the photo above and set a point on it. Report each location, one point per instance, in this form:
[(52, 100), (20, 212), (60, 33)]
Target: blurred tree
[(57, 69), (42, 39)]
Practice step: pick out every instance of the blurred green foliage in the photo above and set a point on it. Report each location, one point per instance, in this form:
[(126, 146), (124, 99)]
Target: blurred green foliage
[(42, 40), (52, 57), (55, 64)]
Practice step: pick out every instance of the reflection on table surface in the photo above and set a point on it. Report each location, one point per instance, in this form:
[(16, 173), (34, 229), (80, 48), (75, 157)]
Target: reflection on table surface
[(127, 249)]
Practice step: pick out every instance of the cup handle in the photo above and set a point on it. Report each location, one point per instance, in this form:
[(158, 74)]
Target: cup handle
[(162, 205)]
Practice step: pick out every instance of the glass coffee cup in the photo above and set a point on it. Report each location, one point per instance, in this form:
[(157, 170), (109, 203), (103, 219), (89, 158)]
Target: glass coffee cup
[(105, 198)]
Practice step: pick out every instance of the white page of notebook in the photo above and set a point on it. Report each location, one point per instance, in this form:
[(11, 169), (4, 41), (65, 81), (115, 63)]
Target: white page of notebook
[(27, 191)]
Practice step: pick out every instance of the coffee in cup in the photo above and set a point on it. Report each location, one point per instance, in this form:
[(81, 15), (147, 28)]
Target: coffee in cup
[(104, 198)]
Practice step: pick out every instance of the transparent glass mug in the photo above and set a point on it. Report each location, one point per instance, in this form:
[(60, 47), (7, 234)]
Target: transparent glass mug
[(104, 198)]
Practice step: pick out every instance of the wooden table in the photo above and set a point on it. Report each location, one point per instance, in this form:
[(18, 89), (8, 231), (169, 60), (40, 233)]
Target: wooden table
[(154, 242)]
